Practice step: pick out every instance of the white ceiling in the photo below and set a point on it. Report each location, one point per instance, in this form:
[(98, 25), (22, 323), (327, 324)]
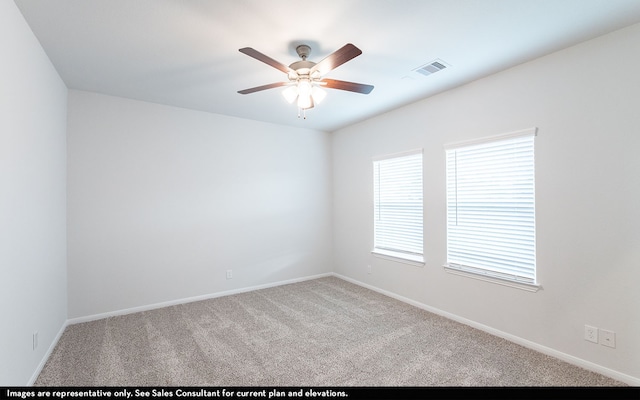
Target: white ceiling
[(185, 52)]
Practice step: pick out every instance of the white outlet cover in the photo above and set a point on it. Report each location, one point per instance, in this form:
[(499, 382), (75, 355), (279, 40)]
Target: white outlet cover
[(591, 333)]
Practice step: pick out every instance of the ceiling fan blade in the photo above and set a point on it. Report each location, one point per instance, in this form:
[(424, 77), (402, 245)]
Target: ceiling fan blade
[(344, 85), (263, 87), (336, 59), (265, 59)]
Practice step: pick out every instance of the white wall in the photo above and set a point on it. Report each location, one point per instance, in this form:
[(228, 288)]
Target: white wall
[(584, 101), (33, 103), (162, 201)]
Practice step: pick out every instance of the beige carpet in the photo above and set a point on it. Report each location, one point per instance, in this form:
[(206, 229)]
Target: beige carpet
[(323, 332)]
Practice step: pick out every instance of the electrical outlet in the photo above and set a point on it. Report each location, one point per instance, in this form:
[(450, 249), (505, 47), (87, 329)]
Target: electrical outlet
[(34, 340), (591, 333), (368, 269), (607, 338), (229, 274)]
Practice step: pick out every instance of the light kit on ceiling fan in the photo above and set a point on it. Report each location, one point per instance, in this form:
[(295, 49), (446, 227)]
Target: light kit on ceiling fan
[(306, 78)]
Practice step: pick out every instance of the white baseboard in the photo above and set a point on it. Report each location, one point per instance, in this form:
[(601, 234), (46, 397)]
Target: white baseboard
[(189, 300), (630, 380), (46, 356)]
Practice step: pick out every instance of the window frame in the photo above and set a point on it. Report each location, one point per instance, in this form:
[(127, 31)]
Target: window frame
[(519, 281), (395, 254)]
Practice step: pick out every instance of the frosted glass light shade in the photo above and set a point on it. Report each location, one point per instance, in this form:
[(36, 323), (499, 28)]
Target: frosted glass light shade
[(290, 94), (318, 94)]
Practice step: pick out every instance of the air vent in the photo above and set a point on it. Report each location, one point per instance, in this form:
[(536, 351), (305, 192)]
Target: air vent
[(432, 67)]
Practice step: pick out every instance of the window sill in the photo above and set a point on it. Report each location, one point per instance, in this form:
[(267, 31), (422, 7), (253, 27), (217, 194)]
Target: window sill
[(530, 287), (416, 260)]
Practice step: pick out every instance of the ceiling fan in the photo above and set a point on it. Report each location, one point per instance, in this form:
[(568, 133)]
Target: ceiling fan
[(306, 78)]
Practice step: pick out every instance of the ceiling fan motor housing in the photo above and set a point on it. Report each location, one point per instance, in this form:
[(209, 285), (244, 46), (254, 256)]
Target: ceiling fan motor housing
[(303, 67), (296, 66)]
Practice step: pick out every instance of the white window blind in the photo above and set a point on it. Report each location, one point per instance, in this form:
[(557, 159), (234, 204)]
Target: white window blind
[(397, 204), (491, 207)]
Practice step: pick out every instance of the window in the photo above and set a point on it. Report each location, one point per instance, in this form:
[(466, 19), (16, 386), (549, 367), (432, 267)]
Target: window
[(491, 209), (397, 204)]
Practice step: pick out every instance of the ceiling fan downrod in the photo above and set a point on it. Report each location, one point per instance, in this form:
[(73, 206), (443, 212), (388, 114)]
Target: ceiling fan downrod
[(303, 51)]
